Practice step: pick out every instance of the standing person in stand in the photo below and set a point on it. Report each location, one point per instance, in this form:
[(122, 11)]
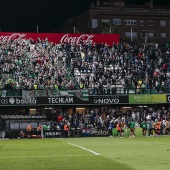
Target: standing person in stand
[(132, 128), (66, 129)]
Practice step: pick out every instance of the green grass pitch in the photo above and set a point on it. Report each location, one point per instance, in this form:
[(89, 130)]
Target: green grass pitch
[(86, 153)]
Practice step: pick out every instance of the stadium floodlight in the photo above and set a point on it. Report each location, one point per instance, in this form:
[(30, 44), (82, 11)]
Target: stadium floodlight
[(37, 28)]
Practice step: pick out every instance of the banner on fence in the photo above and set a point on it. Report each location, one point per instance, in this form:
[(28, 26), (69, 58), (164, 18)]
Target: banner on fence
[(53, 93), (23, 38), (28, 95), (81, 94), (168, 98), (3, 93), (41, 98), (41, 93), (147, 98)]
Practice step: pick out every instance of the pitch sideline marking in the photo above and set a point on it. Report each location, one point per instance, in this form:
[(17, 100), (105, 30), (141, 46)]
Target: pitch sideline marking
[(39, 156), (84, 149)]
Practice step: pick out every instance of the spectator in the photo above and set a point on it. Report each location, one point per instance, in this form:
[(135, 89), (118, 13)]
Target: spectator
[(39, 129), (66, 129), (29, 130), (45, 65)]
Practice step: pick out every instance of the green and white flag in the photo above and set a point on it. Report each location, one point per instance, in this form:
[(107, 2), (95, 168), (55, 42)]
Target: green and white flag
[(53, 93), (63, 92), (71, 92), (82, 94), (28, 95), (41, 93), (3, 93)]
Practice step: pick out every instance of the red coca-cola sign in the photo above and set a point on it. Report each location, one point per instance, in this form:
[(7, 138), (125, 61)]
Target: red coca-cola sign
[(60, 38)]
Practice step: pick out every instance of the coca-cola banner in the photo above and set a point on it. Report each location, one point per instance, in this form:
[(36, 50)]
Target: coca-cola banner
[(60, 38)]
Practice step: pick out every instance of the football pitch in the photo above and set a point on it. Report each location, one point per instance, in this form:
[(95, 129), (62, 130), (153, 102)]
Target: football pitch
[(86, 153)]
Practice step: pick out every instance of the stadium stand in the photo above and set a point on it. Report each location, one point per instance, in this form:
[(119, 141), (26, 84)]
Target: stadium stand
[(102, 69), (120, 68)]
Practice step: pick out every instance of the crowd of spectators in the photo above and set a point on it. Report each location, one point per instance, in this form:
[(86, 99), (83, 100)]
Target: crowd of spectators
[(101, 117), (85, 66)]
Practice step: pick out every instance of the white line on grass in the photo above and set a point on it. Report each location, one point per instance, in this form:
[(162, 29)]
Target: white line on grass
[(4, 139), (84, 149), (40, 156)]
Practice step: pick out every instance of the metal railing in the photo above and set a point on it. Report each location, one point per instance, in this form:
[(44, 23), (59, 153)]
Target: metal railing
[(95, 91)]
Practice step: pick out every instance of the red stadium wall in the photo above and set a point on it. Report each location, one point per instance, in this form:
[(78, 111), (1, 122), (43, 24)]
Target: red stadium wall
[(63, 38)]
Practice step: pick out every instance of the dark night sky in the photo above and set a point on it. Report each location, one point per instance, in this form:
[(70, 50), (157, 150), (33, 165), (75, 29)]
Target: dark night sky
[(25, 15)]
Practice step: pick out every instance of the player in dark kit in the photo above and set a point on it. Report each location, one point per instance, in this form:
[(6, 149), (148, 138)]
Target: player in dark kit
[(132, 128), (144, 127)]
